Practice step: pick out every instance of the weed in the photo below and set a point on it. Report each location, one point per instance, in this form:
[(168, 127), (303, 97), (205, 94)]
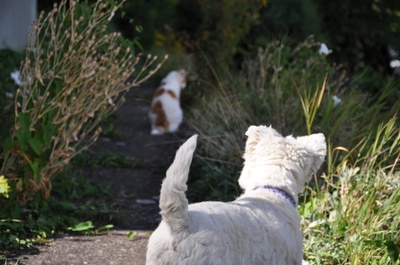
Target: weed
[(88, 228), (111, 133), (131, 235), (112, 160)]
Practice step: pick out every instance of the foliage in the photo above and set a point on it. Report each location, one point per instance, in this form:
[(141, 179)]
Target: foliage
[(224, 24), (361, 32), (353, 218), (4, 187), (112, 160), (144, 19), (297, 19), (74, 75), (10, 61), (73, 199)]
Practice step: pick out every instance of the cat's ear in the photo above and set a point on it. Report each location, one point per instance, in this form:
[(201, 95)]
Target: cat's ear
[(183, 74)]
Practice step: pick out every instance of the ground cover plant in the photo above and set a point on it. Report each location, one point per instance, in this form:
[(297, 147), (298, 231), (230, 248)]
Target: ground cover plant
[(74, 75), (350, 211)]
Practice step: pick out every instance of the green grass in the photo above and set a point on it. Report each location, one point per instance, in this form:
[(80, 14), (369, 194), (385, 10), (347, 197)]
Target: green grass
[(76, 206), (353, 218)]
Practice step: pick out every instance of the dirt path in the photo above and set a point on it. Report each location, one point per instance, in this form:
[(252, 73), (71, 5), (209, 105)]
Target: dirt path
[(155, 154)]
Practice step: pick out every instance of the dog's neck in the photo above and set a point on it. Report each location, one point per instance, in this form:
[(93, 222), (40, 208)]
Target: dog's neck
[(279, 192)]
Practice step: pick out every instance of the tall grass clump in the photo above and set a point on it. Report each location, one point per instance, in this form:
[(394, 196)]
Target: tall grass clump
[(354, 216), (350, 211), (75, 73)]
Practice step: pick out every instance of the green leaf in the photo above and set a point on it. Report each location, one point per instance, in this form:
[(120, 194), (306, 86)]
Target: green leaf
[(35, 144), (8, 143), (35, 170), (131, 235), (83, 226), (21, 139), (106, 227), (47, 133), (24, 120)]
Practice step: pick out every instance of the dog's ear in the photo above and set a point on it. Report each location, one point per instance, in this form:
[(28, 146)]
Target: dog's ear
[(316, 145), (253, 137)]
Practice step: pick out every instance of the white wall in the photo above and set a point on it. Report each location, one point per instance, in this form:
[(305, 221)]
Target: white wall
[(15, 19)]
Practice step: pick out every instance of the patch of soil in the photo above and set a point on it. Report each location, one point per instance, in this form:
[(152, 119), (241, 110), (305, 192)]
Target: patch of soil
[(136, 191)]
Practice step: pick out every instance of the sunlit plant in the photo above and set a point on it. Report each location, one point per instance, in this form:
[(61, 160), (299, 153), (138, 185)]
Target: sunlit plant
[(75, 74)]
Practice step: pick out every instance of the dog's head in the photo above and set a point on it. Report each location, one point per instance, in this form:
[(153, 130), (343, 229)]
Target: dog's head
[(176, 77), (271, 159)]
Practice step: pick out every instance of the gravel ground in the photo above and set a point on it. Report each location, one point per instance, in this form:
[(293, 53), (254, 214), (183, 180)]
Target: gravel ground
[(111, 248)]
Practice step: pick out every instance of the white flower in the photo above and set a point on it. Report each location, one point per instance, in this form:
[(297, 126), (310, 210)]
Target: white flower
[(16, 77), (395, 63), (336, 100), (324, 49)]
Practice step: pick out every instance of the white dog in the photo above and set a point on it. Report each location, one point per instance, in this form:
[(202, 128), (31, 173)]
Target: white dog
[(165, 113), (260, 227)]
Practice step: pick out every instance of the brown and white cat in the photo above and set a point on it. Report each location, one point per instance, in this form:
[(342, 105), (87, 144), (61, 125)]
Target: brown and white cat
[(165, 112)]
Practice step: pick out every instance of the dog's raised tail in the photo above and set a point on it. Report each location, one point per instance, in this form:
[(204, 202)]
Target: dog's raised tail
[(173, 201)]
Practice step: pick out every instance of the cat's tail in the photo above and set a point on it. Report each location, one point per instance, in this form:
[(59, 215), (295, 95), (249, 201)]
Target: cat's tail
[(173, 201)]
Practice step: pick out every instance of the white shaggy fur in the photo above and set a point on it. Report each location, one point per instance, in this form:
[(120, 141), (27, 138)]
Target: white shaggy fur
[(165, 113), (260, 227)]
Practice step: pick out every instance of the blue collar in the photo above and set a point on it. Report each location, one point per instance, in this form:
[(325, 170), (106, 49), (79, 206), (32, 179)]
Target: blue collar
[(280, 192)]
